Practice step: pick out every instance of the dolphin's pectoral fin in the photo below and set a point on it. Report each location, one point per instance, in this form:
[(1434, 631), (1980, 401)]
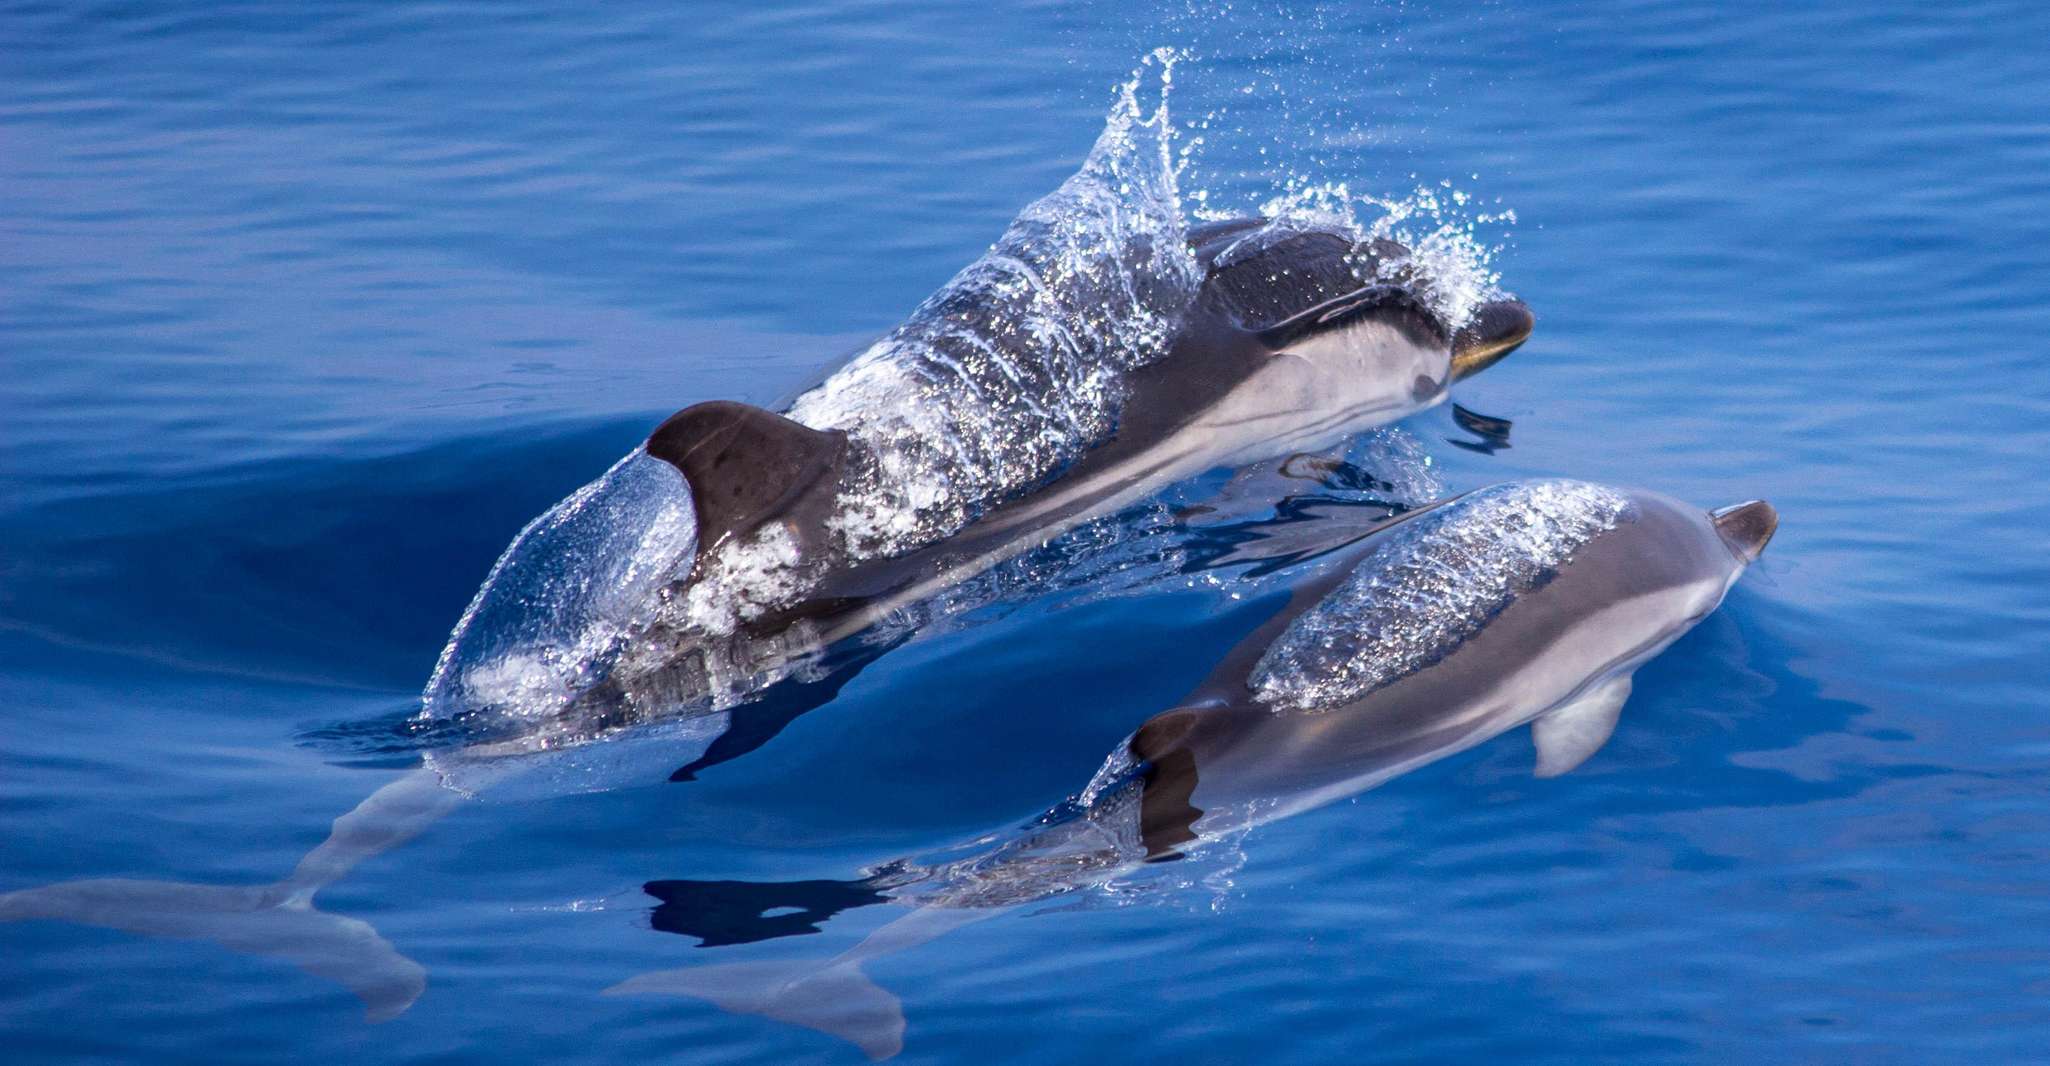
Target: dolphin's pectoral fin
[(836, 998), (744, 465), (1568, 734)]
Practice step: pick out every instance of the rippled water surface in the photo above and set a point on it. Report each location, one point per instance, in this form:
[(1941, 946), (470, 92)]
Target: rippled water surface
[(306, 309)]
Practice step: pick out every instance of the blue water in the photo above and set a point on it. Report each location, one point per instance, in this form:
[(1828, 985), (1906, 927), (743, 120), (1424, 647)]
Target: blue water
[(305, 310)]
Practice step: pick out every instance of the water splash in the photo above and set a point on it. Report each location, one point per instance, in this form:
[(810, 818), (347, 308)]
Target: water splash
[(1281, 127), (551, 615), (1448, 259), (1017, 365)]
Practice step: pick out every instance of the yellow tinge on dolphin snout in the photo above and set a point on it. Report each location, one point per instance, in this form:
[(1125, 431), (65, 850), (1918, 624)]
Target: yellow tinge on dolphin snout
[(1496, 329)]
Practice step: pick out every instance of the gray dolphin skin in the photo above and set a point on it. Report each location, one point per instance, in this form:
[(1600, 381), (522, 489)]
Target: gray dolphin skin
[(1295, 338), (1525, 603)]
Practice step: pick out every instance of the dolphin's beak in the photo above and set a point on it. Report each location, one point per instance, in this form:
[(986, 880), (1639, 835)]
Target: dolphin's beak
[(1746, 527), (1494, 331)]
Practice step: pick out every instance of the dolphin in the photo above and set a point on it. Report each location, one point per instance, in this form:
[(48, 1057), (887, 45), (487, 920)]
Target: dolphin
[(1293, 336), (1233, 388), (1524, 603), (1299, 337)]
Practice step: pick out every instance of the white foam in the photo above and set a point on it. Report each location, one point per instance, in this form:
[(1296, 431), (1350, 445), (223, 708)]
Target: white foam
[(554, 607), (744, 580), (1450, 262), (1017, 365), (1446, 250)]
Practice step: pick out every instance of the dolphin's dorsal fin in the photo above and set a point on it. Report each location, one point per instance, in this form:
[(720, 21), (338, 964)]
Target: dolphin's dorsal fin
[(1389, 303), (1568, 734), (744, 465), (1166, 817)]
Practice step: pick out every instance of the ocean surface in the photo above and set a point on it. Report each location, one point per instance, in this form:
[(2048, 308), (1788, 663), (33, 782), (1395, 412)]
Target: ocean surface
[(306, 309)]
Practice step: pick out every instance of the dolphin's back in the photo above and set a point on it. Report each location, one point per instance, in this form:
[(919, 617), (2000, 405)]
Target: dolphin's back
[(1257, 272), (1363, 682), (1262, 271)]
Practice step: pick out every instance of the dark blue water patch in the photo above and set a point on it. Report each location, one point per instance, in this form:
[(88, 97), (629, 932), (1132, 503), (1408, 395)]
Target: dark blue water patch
[(330, 569)]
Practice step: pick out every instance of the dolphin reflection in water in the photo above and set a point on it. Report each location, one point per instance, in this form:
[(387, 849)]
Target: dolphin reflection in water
[(1524, 603)]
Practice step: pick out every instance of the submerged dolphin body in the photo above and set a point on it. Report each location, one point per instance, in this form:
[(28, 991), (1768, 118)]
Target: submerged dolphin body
[(1280, 337), (1526, 603)]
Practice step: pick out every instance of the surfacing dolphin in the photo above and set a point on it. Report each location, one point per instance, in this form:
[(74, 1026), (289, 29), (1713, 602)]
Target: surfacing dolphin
[(1299, 338), (1525, 603), (1100, 351)]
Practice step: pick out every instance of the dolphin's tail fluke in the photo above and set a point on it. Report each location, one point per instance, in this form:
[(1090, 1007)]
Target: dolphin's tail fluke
[(250, 919), (837, 999)]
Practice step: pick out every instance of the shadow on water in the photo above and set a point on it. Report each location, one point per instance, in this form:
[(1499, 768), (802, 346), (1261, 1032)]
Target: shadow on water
[(722, 913), (759, 720), (1764, 703)]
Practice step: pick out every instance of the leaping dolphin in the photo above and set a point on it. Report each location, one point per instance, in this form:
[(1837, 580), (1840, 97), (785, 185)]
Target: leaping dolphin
[(1525, 603), (1100, 350), (1298, 338)]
